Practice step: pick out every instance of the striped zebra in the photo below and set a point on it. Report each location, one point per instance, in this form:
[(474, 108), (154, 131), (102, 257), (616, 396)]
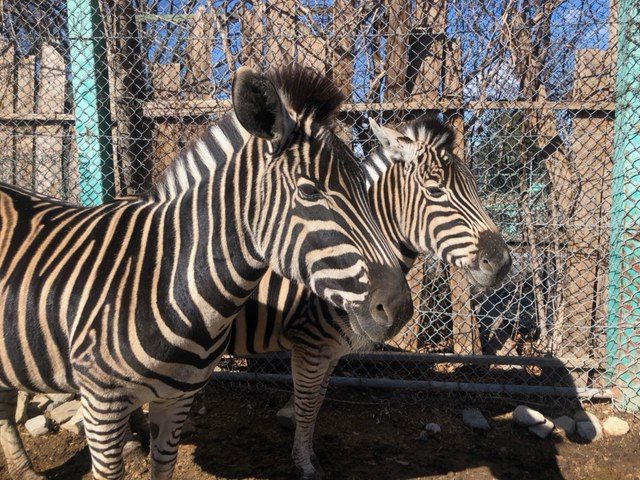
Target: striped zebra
[(132, 302), (425, 201)]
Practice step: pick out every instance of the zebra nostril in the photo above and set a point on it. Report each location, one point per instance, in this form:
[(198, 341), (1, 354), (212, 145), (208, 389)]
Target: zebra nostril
[(486, 264), (380, 307)]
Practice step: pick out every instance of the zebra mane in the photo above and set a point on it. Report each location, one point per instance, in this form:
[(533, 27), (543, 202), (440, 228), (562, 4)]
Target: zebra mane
[(307, 93), (428, 129)]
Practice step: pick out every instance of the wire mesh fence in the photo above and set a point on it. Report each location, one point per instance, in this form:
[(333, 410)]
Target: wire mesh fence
[(528, 86)]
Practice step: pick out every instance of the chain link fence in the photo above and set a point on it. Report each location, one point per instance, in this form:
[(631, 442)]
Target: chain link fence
[(528, 85)]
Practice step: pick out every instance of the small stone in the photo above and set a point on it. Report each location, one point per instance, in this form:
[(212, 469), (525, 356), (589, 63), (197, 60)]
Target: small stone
[(202, 411), (37, 426), (542, 430), (615, 426), (566, 424), (57, 399), (472, 417), (424, 436), (286, 417), (41, 402), (432, 428), (65, 412), (589, 431), (527, 417), (588, 426), (74, 424), (22, 408)]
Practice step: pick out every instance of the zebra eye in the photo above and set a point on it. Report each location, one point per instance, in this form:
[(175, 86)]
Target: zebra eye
[(435, 192), (309, 191)]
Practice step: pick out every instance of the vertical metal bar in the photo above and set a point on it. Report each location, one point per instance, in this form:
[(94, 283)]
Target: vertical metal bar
[(90, 84), (623, 323)]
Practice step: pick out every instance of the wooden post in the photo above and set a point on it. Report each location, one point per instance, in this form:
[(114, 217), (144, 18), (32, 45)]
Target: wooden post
[(587, 231), (341, 68), (252, 28), (311, 50), (7, 166), (396, 51), (281, 32), (25, 135), (198, 65), (49, 174), (91, 101), (166, 85), (424, 71), (132, 149)]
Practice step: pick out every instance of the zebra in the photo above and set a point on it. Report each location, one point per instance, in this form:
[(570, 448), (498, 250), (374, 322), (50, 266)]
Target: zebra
[(132, 302), (425, 200)]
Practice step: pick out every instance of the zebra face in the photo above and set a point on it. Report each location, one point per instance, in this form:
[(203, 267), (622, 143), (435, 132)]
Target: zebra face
[(312, 222), (442, 212)]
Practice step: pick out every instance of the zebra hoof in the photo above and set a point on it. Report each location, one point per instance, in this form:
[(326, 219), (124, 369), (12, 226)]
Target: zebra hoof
[(316, 474)]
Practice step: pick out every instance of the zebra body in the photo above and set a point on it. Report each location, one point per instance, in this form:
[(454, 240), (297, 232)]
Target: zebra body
[(132, 302), (425, 201)]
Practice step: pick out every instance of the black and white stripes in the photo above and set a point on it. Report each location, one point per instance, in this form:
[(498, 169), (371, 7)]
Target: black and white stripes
[(132, 302), (425, 201)]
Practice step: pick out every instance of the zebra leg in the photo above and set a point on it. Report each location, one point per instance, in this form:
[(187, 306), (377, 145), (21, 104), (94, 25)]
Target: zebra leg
[(165, 424), (18, 463), (311, 372), (105, 426)]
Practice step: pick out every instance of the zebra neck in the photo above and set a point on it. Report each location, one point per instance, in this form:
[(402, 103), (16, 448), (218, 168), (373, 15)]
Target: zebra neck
[(375, 165), (207, 199), (388, 197)]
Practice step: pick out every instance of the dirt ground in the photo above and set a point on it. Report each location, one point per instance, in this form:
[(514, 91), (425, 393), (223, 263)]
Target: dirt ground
[(363, 435)]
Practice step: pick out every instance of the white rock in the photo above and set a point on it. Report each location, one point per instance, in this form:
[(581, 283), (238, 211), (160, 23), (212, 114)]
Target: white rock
[(472, 417), (615, 426), (57, 399), (37, 425), (74, 424), (542, 430), (566, 424), (588, 426), (526, 417), (286, 417), (64, 412), (202, 411), (589, 431), (41, 402), (22, 408), (432, 428)]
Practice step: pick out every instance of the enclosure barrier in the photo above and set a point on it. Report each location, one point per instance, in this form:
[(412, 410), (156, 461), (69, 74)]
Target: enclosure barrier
[(98, 96), (623, 329)]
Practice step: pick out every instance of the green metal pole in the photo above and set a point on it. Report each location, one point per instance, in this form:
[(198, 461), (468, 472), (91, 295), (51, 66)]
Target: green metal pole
[(90, 84), (623, 322)]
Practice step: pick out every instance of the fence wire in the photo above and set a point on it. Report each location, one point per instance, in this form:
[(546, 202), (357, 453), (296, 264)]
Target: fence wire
[(528, 85)]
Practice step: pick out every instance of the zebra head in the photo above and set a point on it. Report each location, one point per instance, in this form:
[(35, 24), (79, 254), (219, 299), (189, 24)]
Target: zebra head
[(441, 211), (311, 221)]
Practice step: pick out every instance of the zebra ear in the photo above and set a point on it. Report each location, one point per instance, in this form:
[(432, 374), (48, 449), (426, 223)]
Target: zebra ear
[(396, 146), (258, 107)]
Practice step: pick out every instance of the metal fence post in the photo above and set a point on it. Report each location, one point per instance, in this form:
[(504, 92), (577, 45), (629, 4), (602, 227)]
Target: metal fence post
[(90, 84), (623, 325)]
